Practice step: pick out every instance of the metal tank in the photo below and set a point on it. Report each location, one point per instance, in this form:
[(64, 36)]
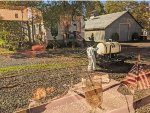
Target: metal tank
[(105, 48), (109, 52)]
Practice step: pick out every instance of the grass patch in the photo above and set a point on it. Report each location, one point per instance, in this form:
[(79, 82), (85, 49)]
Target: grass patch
[(42, 66)]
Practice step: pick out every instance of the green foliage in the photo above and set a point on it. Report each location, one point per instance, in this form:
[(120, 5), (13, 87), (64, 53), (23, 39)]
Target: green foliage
[(4, 34), (8, 41), (11, 34), (93, 5), (2, 42), (15, 27), (115, 37), (6, 51), (115, 6), (135, 36), (3, 38), (141, 13), (54, 9)]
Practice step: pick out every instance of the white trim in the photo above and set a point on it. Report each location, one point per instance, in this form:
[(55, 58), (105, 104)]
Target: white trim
[(128, 30)]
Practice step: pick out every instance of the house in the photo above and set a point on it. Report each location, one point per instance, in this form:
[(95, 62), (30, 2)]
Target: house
[(67, 25), (105, 26), (16, 13), (30, 20)]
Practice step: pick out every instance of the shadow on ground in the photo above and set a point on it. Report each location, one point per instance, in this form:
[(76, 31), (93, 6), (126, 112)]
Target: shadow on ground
[(115, 67), (141, 102), (38, 109)]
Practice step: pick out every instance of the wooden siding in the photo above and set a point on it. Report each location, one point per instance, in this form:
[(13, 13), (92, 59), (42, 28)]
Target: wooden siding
[(125, 19)]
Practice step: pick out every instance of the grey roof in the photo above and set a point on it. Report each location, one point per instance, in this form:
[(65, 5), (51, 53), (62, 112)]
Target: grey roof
[(101, 22)]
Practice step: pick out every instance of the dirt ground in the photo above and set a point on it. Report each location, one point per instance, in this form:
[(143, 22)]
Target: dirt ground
[(133, 49)]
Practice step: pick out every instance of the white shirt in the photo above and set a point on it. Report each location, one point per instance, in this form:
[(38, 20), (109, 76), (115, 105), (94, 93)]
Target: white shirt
[(90, 51)]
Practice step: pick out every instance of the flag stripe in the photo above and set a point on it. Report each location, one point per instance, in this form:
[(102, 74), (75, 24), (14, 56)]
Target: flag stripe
[(139, 85), (129, 77), (131, 80), (132, 75), (146, 80), (137, 77), (142, 81)]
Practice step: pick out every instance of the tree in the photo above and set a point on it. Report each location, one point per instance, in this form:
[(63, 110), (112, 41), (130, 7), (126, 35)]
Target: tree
[(90, 6), (54, 9), (138, 9), (16, 28), (115, 6), (142, 14)]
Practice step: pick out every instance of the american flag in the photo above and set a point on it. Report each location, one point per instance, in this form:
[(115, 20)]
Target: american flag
[(137, 78)]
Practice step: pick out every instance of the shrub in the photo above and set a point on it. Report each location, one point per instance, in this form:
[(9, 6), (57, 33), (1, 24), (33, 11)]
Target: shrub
[(115, 37), (2, 42), (4, 34), (135, 36), (3, 38)]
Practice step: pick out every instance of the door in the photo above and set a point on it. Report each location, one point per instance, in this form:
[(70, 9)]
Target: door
[(124, 32)]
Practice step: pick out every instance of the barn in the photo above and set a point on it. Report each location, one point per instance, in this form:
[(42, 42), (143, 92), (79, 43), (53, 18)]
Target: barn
[(105, 27)]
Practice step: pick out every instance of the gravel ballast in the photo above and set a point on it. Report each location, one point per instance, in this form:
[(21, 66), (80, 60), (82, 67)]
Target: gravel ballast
[(15, 91)]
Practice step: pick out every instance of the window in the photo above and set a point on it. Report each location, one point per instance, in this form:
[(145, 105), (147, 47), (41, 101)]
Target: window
[(16, 15)]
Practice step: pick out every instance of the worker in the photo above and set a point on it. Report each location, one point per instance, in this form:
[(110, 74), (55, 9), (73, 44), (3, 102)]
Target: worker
[(91, 58)]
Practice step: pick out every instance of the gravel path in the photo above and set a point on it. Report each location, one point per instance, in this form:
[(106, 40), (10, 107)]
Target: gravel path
[(46, 56), (5, 62), (17, 88)]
